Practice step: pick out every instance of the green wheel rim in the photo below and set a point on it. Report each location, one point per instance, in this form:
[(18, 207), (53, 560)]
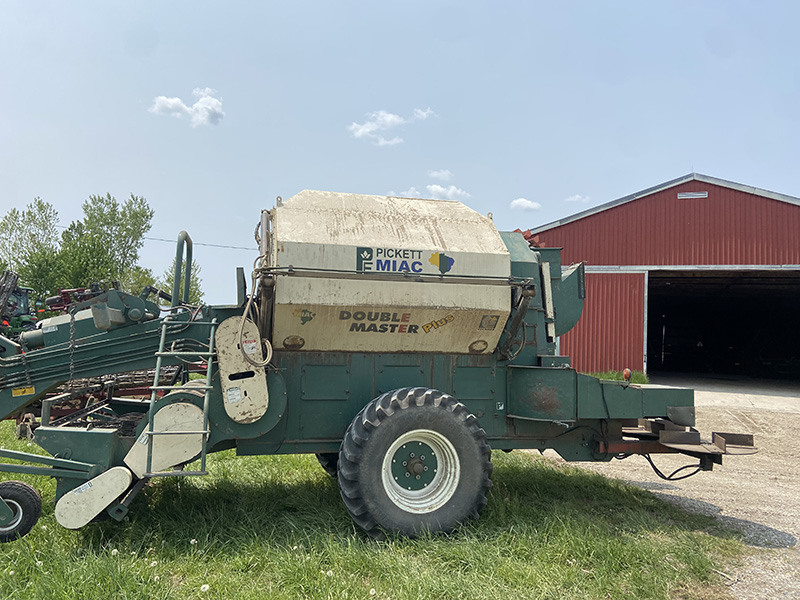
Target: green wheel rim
[(421, 471)]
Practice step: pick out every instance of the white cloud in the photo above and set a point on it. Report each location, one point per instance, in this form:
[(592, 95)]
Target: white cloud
[(525, 204), (578, 198), (382, 121), (450, 192), (411, 192), (442, 175), (207, 109)]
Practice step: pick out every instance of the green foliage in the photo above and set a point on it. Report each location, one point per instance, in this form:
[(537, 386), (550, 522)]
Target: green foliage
[(102, 246), (167, 280), (636, 376), (43, 271), (105, 244), (136, 279), (275, 527), (25, 232)]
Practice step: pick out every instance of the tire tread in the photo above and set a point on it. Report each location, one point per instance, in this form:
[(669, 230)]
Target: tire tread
[(371, 417)]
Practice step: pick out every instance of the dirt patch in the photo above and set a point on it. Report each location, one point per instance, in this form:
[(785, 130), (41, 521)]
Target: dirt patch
[(758, 495)]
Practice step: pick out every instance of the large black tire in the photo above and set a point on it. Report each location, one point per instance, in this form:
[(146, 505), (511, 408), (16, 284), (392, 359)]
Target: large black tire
[(414, 460), (27, 506), (329, 462)]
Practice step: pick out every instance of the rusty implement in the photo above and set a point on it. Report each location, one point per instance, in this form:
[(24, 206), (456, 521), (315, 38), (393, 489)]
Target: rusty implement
[(658, 436)]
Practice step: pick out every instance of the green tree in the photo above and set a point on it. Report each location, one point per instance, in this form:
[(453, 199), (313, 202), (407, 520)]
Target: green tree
[(34, 229), (136, 279), (165, 282), (43, 271), (105, 244)]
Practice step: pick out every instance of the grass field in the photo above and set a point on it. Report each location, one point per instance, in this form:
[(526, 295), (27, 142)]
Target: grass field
[(275, 527), (636, 376)]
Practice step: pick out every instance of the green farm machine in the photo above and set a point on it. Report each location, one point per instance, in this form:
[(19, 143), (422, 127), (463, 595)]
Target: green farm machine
[(400, 340), (15, 307)]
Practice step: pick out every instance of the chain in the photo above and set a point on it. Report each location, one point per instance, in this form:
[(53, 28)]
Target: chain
[(71, 345)]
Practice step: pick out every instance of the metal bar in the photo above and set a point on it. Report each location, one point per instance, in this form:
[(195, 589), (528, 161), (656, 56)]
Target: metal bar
[(206, 398), (183, 238), (561, 422), (151, 411), (74, 416), (137, 487), (172, 387), (181, 432), (633, 447), (46, 460), (176, 474), (47, 404), (187, 353), (47, 472)]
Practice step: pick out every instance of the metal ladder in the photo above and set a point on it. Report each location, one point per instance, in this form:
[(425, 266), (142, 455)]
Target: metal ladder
[(150, 431)]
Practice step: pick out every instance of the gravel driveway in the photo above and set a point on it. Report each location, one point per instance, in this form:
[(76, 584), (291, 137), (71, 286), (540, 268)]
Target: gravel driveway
[(758, 494)]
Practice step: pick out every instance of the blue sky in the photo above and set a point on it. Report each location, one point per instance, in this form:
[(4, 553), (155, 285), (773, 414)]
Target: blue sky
[(530, 110)]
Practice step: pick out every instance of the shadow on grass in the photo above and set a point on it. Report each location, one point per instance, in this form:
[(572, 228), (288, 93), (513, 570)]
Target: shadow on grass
[(290, 505)]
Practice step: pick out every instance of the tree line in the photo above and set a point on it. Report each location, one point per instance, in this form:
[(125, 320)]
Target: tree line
[(102, 246)]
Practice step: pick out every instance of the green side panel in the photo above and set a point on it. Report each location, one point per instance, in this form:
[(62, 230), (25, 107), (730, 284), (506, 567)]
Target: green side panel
[(100, 447), (393, 376), (623, 402), (616, 400), (474, 383), (656, 400), (524, 262), (542, 394), (325, 382), (568, 297), (322, 420)]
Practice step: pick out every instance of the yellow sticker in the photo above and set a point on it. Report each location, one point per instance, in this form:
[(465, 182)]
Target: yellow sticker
[(23, 391)]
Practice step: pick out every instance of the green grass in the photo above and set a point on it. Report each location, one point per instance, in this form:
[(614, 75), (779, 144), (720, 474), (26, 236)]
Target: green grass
[(275, 527), (636, 376)]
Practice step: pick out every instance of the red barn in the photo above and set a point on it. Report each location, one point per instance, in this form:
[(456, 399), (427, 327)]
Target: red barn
[(696, 274)]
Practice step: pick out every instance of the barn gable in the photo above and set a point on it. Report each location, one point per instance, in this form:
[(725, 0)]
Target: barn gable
[(693, 220), (695, 274)]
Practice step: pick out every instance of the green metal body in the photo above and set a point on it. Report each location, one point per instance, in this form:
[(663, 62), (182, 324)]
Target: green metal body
[(524, 395), (17, 316)]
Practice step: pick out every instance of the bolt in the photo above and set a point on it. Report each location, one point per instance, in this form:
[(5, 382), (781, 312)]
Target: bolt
[(407, 475), (426, 468), (411, 455), (405, 463), (422, 457), (417, 476)]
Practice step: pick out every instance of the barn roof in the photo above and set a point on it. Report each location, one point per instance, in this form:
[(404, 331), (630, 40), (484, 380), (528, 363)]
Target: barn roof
[(664, 186)]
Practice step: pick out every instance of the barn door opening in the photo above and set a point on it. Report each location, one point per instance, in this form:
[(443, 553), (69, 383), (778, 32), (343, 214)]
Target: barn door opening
[(724, 322)]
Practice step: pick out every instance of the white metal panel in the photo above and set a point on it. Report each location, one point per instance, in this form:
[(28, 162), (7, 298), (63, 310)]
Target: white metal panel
[(244, 386), (79, 506), (369, 316), (172, 449)]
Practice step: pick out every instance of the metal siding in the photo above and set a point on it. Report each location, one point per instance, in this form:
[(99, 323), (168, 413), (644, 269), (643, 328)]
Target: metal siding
[(610, 333), (730, 227)]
